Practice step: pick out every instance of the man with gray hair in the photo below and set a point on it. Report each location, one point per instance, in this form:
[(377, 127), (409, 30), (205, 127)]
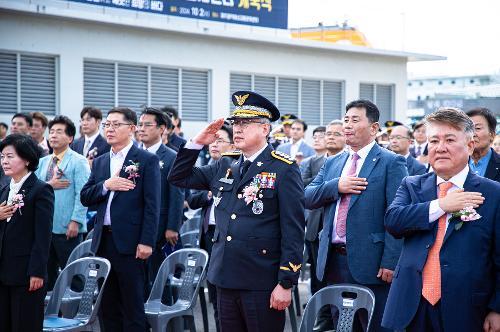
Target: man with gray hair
[(335, 140), (448, 275)]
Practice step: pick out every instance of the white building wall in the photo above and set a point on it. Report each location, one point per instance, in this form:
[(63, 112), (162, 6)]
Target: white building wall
[(75, 40)]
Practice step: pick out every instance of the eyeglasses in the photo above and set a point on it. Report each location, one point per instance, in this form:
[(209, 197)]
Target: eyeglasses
[(398, 137), (318, 136), (221, 141), (244, 123), (336, 134), (115, 125)]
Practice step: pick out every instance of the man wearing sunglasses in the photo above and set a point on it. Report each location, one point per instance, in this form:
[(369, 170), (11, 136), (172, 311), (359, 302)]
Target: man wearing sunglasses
[(259, 208)]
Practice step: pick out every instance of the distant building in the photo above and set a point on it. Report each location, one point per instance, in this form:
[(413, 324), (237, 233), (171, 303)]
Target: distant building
[(425, 94)]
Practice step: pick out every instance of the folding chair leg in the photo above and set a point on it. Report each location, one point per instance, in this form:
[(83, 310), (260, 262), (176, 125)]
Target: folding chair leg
[(293, 318), (203, 305), (296, 295)]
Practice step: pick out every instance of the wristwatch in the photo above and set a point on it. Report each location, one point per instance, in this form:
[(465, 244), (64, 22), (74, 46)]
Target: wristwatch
[(286, 284)]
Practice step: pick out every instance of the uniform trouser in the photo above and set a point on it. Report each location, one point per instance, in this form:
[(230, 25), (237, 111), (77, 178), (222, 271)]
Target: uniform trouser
[(207, 244), (248, 311)]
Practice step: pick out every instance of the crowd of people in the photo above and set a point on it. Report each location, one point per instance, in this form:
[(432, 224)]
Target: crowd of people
[(411, 212)]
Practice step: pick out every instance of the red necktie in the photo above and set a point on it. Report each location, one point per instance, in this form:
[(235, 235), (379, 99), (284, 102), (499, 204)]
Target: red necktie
[(431, 276), (341, 227)]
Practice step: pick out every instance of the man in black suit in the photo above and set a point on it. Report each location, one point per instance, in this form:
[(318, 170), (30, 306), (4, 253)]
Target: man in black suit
[(125, 186), (152, 124), (91, 144), (204, 199), (259, 212), (399, 141), (484, 160)]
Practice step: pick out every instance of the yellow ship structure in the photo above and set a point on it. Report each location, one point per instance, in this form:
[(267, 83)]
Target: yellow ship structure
[(342, 34)]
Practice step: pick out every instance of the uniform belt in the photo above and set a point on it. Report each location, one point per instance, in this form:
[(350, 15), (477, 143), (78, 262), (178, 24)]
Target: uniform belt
[(106, 228), (339, 248)]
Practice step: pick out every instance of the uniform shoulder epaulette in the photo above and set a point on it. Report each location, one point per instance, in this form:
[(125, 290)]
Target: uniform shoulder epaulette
[(234, 154), (283, 157)]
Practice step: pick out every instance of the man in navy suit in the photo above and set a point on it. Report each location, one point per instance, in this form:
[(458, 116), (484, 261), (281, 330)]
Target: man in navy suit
[(448, 276), (484, 160), (125, 186), (91, 144), (399, 141), (152, 124), (355, 188)]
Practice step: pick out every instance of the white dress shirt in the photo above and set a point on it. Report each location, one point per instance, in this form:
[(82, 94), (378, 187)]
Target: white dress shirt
[(363, 153), (458, 180), (15, 187), (116, 164), (294, 148), (153, 148)]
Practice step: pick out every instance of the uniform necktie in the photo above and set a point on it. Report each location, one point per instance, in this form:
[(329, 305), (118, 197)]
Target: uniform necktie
[(244, 167), (431, 277), (51, 169), (341, 227)]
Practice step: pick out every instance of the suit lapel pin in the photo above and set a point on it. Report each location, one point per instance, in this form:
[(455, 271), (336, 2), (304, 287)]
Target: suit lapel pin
[(374, 159), (260, 163)]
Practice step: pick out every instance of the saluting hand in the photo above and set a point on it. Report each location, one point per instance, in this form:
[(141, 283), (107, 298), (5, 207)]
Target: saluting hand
[(6, 211), (209, 134), (280, 298)]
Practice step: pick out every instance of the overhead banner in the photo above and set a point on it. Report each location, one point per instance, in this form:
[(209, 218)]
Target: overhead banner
[(262, 13)]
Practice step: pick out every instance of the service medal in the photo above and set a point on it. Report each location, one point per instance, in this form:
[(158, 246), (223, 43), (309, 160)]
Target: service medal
[(257, 207)]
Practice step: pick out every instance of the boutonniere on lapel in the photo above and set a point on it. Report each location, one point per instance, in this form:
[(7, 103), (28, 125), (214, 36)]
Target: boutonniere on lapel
[(161, 164), (92, 153), (132, 170), (18, 202), (253, 192), (464, 215)]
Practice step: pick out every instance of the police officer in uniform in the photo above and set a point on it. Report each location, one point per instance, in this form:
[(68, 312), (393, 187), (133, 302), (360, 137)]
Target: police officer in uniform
[(259, 212)]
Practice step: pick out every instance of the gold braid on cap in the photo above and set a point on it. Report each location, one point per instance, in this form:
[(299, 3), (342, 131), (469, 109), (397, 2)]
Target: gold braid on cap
[(249, 111)]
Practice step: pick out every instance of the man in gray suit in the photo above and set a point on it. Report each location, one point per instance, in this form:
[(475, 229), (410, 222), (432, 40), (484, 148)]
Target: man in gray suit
[(355, 188), (297, 148), (400, 140)]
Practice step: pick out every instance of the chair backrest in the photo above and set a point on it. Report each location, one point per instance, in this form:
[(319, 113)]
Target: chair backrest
[(338, 295), (92, 269), (80, 251), (192, 262), (191, 239), (90, 235), (190, 225)]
